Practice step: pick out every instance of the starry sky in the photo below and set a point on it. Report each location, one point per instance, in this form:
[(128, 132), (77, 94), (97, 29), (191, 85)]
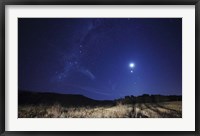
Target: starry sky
[(101, 58)]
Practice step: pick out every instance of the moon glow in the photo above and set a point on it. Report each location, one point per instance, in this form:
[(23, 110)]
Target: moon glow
[(131, 65)]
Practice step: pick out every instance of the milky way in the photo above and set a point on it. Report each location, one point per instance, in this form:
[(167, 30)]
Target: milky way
[(72, 60)]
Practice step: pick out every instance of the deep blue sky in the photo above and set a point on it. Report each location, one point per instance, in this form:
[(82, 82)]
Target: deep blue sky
[(91, 56)]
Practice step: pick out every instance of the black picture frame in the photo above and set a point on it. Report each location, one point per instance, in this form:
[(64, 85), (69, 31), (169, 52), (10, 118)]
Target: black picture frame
[(3, 132)]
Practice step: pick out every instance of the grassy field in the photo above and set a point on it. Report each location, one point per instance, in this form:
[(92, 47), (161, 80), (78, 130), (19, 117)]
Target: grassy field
[(139, 110)]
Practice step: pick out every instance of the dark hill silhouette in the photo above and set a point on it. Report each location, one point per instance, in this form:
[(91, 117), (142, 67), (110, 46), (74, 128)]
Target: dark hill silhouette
[(35, 98), (44, 98)]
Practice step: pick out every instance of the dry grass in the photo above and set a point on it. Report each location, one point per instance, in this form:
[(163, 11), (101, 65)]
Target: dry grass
[(144, 110)]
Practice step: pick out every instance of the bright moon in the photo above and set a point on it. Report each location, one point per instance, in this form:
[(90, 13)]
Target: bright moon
[(131, 65)]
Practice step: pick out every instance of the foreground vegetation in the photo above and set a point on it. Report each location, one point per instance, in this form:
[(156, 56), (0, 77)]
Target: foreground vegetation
[(171, 109)]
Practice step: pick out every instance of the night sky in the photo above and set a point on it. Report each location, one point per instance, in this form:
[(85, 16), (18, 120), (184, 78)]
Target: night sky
[(101, 58)]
